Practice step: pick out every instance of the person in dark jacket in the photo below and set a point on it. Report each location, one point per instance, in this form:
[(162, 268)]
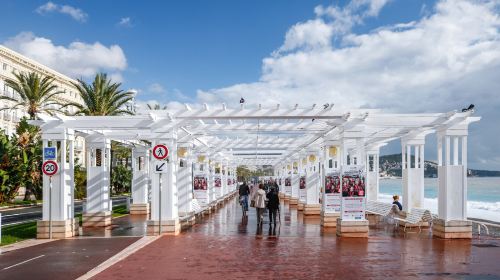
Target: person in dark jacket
[(244, 192), (273, 205)]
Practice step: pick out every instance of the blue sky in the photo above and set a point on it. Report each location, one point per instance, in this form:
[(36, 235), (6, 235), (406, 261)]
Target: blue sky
[(183, 45), (398, 55)]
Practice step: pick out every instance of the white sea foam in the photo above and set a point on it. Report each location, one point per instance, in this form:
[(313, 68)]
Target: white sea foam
[(475, 209)]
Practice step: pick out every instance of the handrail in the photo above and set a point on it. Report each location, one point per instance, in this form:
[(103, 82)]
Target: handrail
[(479, 225)]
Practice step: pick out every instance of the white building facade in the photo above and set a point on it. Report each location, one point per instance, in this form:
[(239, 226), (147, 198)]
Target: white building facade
[(12, 62)]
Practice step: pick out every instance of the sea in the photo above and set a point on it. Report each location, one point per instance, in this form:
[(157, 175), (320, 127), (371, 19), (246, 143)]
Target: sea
[(483, 195)]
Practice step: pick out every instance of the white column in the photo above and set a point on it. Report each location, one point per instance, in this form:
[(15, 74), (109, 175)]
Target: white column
[(185, 179), (295, 176), (452, 178), (303, 172), (98, 205), (140, 181), (58, 203), (372, 175), (413, 175), (164, 193), (452, 187)]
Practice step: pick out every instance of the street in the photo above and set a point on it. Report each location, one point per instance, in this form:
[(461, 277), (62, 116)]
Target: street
[(27, 214)]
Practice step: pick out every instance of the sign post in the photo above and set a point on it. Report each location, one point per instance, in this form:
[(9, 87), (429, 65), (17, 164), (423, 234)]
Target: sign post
[(50, 168), (160, 152)]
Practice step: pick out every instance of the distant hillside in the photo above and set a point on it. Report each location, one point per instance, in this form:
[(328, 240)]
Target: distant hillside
[(390, 165)]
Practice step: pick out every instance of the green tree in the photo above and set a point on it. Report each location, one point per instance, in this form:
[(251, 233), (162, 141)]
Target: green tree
[(9, 168), (101, 98), (29, 142), (20, 163), (121, 179), (37, 94)]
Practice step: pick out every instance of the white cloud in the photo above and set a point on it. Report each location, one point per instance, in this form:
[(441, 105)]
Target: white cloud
[(444, 61), (78, 59), (156, 88), (75, 13), (125, 22)]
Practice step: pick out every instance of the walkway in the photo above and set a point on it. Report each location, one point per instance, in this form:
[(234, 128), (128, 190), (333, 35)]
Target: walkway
[(226, 247)]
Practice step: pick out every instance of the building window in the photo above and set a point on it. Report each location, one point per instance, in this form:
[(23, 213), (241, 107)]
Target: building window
[(5, 66)]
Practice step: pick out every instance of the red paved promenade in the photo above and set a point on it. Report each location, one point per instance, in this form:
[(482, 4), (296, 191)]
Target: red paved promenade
[(227, 247)]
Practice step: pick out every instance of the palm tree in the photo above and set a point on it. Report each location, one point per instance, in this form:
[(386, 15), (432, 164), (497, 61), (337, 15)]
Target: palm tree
[(156, 107), (101, 98), (37, 94)]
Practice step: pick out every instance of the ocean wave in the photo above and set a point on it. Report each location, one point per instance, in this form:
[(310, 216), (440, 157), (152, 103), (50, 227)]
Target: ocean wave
[(431, 204)]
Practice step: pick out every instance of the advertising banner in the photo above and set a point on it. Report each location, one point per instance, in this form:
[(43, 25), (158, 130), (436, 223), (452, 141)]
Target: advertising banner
[(332, 192), (288, 186), (302, 188), (353, 193), (200, 187)]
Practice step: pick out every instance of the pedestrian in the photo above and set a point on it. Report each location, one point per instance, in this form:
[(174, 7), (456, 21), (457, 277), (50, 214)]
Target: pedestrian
[(253, 189), (260, 203), (244, 191), (397, 208), (273, 205)]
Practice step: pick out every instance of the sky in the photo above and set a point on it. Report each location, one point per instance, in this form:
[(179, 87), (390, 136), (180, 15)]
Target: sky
[(397, 55)]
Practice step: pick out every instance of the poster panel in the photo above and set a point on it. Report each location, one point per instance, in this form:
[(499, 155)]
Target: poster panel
[(288, 186), (332, 192), (217, 181), (353, 193), (302, 188), (200, 187)]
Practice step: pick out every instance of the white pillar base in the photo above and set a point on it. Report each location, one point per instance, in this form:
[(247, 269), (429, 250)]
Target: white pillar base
[(169, 227), (312, 209), (139, 209), (452, 229), (99, 219), (329, 220), (294, 201), (352, 228), (60, 229), (300, 206)]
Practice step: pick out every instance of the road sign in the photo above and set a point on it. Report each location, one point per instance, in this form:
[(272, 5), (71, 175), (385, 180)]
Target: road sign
[(160, 166), (49, 153), (160, 151), (49, 167)]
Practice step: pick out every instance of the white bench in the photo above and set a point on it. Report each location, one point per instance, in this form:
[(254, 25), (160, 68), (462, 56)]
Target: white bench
[(378, 208), (415, 217)]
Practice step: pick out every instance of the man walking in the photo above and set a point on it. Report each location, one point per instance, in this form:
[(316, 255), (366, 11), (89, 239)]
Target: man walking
[(244, 191), (273, 204)]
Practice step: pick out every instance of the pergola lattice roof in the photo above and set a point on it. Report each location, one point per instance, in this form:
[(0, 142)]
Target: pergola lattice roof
[(257, 136)]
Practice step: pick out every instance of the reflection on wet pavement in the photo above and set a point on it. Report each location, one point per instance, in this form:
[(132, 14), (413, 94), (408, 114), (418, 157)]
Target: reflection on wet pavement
[(128, 225), (226, 245)]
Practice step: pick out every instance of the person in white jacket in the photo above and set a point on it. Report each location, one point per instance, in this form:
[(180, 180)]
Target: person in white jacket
[(260, 203)]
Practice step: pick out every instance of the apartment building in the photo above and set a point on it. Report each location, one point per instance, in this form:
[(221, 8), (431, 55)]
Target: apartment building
[(13, 62)]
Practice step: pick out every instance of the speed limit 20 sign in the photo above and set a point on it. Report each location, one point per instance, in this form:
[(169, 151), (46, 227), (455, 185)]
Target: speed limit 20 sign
[(50, 168)]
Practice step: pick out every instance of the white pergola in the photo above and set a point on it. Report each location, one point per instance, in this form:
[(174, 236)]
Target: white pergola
[(281, 137)]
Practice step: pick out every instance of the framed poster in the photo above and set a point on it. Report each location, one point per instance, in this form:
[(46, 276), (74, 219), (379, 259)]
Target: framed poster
[(353, 193), (332, 192)]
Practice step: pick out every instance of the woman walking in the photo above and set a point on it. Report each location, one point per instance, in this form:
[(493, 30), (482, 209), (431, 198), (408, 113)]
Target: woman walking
[(260, 203)]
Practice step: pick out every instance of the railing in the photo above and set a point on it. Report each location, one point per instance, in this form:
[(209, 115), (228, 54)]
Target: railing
[(479, 225)]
